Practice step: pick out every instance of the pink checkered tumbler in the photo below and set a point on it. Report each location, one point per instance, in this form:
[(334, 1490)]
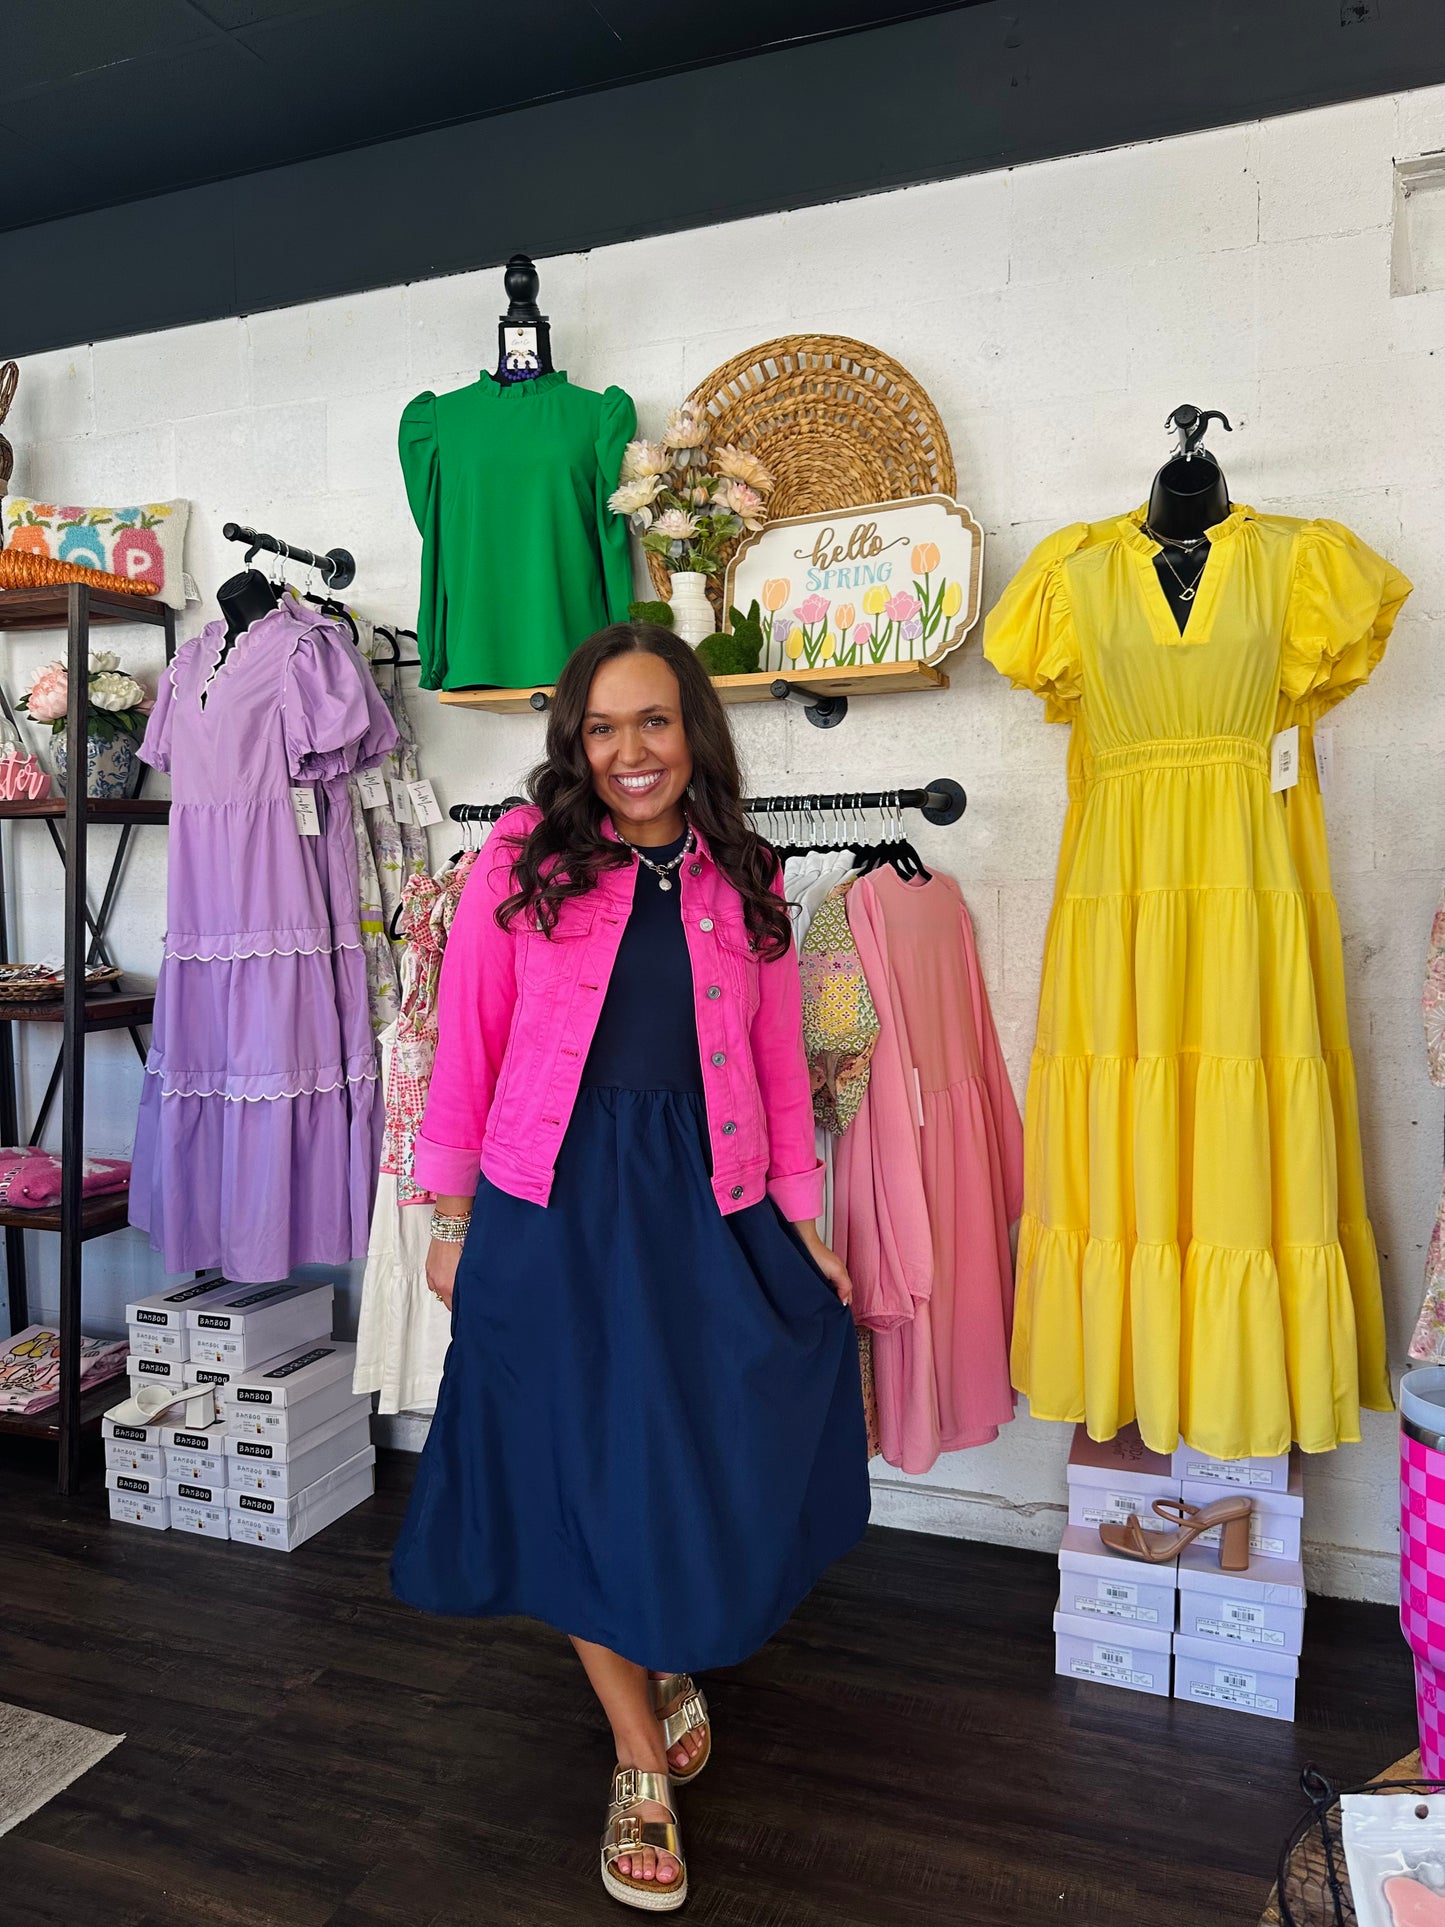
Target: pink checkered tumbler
[(1422, 1552)]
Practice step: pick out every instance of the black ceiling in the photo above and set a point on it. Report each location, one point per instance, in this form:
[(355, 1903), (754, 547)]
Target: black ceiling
[(103, 101), (168, 161)]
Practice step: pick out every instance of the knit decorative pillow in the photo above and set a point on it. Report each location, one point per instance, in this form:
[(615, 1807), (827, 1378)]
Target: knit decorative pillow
[(145, 544)]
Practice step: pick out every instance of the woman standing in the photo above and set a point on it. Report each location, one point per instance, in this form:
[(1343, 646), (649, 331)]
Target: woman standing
[(650, 1430)]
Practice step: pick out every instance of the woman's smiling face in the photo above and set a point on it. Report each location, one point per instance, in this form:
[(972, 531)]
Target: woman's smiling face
[(637, 747)]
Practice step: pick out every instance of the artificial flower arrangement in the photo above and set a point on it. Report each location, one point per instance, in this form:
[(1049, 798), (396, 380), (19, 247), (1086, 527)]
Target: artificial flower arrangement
[(118, 704), (690, 503)]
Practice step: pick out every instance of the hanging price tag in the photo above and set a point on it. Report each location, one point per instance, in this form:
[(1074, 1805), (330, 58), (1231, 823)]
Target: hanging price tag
[(424, 802), (400, 801), (1325, 759), (371, 785), (1284, 759), (303, 805)]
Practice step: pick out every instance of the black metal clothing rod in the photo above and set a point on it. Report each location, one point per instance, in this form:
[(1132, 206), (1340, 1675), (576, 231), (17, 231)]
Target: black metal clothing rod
[(942, 802), (338, 566)]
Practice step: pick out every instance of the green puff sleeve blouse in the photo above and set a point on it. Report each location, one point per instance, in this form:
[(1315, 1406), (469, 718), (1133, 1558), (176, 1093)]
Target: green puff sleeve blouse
[(521, 557)]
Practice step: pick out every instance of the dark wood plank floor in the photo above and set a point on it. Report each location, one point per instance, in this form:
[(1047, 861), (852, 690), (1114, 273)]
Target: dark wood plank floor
[(303, 1751)]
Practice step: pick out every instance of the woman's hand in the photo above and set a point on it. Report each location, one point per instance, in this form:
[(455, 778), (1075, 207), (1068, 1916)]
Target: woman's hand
[(828, 1262), (441, 1269)]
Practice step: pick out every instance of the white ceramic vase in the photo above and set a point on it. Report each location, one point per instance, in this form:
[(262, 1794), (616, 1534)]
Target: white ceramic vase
[(692, 616)]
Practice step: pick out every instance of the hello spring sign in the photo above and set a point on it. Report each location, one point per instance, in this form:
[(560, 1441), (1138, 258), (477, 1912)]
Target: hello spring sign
[(890, 582)]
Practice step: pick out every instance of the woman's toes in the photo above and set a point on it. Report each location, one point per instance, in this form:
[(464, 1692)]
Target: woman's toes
[(667, 1870)]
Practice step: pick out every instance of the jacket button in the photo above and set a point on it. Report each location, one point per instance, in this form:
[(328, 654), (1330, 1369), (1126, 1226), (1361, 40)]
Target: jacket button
[(694, 869), (719, 1057), (736, 1192), (729, 1128), (714, 990), (706, 924)]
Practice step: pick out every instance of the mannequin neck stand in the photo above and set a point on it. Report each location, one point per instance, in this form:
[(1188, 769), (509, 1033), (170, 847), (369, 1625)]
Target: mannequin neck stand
[(1189, 496)]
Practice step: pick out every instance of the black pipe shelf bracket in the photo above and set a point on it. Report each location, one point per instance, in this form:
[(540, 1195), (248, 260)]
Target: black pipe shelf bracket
[(942, 802), (337, 566)]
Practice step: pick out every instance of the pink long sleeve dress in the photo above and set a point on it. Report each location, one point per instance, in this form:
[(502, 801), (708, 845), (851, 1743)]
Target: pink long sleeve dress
[(930, 1176)]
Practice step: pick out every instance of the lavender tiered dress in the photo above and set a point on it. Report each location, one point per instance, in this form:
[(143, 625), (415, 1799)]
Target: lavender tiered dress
[(260, 1117)]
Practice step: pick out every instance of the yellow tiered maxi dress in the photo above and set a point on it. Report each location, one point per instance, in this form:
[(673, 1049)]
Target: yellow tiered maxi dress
[(1191, 1129)]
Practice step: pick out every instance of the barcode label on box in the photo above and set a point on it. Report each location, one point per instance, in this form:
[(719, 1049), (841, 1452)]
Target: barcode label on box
[(1231, 1687), (1114, 1675), (1110, 1609), (1113, 1508), (1225, 1474), (1118, 1592), (1246, 1633)]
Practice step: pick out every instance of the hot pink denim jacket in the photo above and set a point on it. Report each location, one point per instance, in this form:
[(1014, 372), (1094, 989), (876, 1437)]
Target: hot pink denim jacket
[(517, 1011)]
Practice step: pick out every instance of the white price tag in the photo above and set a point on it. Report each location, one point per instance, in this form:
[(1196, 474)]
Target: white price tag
[(424, 802), (1325, 759), (303, 804), (400, 801), (1284, 759), (372, 787)]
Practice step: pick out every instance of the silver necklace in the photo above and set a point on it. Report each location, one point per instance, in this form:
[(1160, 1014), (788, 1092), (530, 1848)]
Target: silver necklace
[(663, 871), (1186, 542)]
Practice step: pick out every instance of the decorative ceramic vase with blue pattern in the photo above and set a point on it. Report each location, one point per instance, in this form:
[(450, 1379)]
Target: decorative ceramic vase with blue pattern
[(108, 763)]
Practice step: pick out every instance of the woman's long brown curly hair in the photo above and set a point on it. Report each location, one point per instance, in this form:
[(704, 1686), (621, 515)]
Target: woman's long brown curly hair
[(565, 853)]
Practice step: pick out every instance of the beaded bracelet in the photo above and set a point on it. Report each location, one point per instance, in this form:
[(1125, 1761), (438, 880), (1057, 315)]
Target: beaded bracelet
[(450, 1231)]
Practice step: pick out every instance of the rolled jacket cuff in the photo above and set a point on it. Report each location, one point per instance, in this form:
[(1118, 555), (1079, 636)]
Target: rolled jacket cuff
[(798, 1196), (445, 1168)]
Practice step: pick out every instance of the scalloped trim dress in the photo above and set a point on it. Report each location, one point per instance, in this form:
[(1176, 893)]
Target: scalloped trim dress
[(260, 1118), (1195, 1252)]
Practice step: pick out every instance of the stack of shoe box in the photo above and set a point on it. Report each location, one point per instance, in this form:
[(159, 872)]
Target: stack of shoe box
[(1240, 1633), (291, 1442), (1115, 1619)]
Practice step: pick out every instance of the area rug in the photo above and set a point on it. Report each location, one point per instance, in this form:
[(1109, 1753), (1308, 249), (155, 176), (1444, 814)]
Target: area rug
[(39, 1757)]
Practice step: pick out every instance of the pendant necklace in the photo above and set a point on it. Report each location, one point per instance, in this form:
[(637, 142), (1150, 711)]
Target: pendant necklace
[(1187, 590), (663, 871)]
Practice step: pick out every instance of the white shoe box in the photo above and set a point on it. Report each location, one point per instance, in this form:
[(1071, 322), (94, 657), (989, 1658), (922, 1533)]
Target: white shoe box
[(159, 1341), (1260, 1681), (197, 1455), (1256, 1475), (294, 1394), (281, 1469), (1264, 1606), (132, 1448), (138, 1498), (1134, 1657), (157, 1371), (256, 1322), (223, 1377), (1109, 1482), (1096, 1584), (211, 1521), (167, 1309), (284, 1524), (140, 1509), (1274, 1524), (197, 1491)]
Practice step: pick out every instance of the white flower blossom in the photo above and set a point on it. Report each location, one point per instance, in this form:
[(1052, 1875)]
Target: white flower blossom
[(109, 690)]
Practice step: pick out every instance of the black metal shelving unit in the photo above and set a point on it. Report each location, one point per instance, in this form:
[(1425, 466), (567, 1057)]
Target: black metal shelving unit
[(77, 608)]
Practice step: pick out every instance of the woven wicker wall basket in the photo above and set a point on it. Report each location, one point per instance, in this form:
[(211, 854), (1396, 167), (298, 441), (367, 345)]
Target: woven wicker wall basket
[(837, 422)]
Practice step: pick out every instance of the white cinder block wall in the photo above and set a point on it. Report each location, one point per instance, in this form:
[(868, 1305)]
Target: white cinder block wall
[(1055, 313)]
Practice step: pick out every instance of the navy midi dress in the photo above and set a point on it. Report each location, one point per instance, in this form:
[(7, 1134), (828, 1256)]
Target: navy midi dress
[(650, 1428)]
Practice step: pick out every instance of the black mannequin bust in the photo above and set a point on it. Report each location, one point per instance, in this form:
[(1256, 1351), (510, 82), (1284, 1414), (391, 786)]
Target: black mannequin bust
[(244, 599), (524, 334), (1188, 496)]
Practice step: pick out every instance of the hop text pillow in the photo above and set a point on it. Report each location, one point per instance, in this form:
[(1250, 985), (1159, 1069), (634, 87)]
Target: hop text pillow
[(146, 544)]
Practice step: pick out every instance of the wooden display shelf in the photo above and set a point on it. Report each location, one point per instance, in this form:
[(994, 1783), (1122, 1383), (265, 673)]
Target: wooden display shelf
[(108, 1007), (94, 1404), (865, 679), (107, 1211), (49, 608), (98, 809)]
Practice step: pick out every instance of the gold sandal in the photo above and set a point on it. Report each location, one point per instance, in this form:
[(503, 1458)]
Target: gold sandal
[(1158, 1548), (627, 1832), (689, 1716)]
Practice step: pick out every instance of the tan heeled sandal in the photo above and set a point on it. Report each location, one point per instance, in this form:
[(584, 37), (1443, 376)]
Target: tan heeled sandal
[(690, 1714), (628, 1833), (1158, 1548)]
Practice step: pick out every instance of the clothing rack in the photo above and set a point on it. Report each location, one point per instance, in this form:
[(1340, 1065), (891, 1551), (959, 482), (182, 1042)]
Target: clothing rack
[(337, 566), (942, 802)]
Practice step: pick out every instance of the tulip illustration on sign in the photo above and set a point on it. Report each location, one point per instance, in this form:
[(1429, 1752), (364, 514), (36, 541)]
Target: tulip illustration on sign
[(888, 582)]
